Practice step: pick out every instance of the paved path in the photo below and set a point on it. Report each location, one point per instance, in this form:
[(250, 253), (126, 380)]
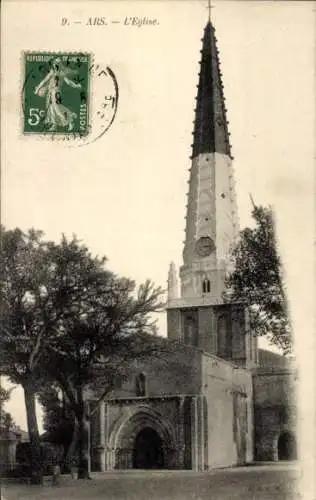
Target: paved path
[(257, 466), (258, 482)]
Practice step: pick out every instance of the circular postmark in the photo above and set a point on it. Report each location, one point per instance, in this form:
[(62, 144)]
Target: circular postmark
[(68, 97)]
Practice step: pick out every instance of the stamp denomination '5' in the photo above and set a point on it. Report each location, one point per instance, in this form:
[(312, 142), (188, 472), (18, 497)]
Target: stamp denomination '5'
[(56, 93)]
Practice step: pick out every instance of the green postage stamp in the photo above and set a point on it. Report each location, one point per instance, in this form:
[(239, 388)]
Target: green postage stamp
[(56, 93)]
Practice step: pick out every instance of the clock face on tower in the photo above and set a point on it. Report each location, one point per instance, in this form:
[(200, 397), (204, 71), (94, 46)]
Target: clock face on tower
[(205, 246)]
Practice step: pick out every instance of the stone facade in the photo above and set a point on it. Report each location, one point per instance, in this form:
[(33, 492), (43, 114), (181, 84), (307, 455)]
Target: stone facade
[(9, 440), (196, 411), (198, 405), (222, 330), (216, 401), (124, 419), (275, 409), (228, 393)]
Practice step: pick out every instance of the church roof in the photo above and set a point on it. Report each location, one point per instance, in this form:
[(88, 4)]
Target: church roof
[(269, 359), (210, 126)]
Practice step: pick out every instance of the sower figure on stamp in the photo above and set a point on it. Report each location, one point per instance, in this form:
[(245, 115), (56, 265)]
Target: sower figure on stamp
[(57, 115)]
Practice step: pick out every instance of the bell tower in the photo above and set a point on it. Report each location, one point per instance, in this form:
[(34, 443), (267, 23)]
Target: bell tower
[(198, 315), (211, 218), (211, 212)]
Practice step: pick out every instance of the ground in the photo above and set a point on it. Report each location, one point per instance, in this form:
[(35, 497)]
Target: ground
[(252, 483)]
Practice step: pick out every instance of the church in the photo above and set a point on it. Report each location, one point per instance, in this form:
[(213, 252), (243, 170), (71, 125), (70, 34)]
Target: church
[(220, 401)]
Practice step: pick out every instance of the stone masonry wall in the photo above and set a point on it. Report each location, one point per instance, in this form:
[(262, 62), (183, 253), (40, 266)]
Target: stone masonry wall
[(227, 390), (274, 410)]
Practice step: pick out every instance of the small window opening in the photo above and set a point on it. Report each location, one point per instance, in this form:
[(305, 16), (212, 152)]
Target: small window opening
[(141, 385), (206, 286)]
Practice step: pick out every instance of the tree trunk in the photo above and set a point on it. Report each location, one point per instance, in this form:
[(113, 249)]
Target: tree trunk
[(72, 450), (84, 445), (36, 455)]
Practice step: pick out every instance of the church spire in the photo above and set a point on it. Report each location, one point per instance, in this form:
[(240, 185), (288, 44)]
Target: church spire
[(211, 212), (199, 315), (210, 126)]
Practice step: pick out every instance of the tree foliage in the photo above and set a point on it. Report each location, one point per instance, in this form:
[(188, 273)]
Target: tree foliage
[(103, 324), (257, 280), (23, 304), (58, 419), (69, 321), (6, 420), (24, 320)]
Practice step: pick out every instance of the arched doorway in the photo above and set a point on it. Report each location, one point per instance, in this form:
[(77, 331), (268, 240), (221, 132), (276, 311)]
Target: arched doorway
[(142, 438), (148, 450), (287, 446)]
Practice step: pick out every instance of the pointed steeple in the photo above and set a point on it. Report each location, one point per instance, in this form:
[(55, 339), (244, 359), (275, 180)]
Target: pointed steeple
[(210, 127), (200, 316), (211, 212)]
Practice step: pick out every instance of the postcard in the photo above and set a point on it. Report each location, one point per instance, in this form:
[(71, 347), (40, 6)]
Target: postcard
[(177, 140)]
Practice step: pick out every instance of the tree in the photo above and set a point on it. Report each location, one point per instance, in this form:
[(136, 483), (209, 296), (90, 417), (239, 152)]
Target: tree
[(104, 324), (58, 417), (257, 280), (24, 321), (68, 320)]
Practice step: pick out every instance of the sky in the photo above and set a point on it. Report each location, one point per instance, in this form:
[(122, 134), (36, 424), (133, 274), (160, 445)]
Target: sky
[(125, 194)]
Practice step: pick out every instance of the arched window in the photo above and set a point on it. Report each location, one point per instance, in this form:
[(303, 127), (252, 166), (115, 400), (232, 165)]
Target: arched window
[(190, 325), (141, 385), (206, 286)]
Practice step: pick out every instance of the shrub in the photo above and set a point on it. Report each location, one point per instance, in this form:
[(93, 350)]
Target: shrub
[(51, 455)]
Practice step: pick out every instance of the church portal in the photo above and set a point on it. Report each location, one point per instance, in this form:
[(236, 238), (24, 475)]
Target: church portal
[(148, 450)]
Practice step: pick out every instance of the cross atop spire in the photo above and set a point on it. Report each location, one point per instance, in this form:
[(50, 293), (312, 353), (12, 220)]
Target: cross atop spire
[(210, 7)]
